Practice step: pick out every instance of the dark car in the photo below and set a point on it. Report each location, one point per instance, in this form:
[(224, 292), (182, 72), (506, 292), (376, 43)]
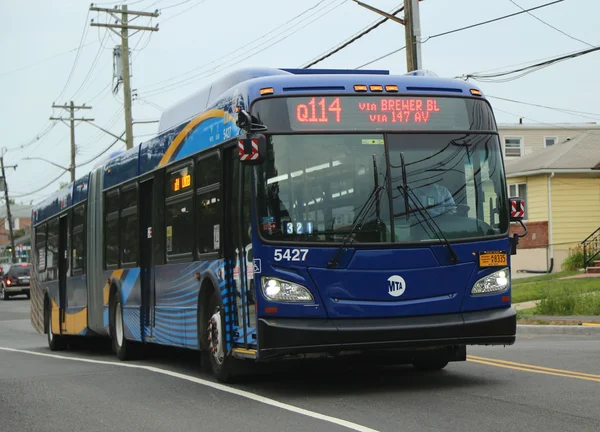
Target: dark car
[(15, 281)]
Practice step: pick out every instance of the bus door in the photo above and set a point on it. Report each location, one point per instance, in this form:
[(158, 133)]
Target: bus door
[(146, 262), (239, 249), (63, 267)]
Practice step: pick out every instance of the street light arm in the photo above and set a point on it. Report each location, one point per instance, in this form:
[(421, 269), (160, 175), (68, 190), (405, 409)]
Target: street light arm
[(105, 131), (380, 12), (50, 162)]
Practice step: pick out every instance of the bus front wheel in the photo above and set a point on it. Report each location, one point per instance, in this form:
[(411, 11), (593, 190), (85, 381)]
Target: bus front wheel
[(222, 366), (430, 364)]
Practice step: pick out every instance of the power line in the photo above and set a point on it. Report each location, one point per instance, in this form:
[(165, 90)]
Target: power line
[(172, 6), (83, 35), (45, 59), (182, 12), (526, 70), (40, 189), (101, 153), (353, 39), (468, 28), (159, 83), (551, 26), (380, 58), (563, 110), (258, 50)]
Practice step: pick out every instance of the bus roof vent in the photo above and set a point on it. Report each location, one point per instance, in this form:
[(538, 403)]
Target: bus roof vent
[(337, 71), (422, 72)]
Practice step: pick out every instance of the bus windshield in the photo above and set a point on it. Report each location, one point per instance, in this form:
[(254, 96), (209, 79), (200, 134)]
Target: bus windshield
[(312, 187)]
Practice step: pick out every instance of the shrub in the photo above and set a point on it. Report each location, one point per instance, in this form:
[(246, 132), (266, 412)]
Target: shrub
[(568, 302), (574, 260)]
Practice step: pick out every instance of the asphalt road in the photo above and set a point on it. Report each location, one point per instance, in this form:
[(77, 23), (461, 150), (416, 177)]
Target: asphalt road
[(543, 383)]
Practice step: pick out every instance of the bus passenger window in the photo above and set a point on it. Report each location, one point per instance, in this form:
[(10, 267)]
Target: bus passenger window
[(179, 213), (77, 243), (111, 229), (179, 223), (208, 204), (129, 227)]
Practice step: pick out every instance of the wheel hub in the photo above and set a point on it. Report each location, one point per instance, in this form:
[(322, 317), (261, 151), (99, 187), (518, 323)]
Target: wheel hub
[(215, 338)]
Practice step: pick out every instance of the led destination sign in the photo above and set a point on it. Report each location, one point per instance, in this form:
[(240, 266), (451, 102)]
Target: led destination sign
[(381, 112)]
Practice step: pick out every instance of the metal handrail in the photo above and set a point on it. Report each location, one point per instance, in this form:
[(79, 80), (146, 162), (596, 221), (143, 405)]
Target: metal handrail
[(595, 238)]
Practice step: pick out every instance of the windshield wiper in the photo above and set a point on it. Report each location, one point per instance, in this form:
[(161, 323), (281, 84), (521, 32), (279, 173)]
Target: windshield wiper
[(371, 200), (407, 191)]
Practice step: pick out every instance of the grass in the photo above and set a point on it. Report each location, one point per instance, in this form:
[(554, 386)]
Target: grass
[(542, 288), (543, 278), (566, 302)]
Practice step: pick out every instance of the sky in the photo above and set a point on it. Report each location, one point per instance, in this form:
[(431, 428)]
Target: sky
[(200, 40)]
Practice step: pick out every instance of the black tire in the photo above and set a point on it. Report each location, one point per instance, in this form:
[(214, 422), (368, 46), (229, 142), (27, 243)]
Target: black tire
[(124, 348), (3, 294), (55, 342), (224, 368), (430, 364)]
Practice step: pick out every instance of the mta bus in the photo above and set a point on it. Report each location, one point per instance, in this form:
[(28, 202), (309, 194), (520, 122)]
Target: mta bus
[(285, 213)]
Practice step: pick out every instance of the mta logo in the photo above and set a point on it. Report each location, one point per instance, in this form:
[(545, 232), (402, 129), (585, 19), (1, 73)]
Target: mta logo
[(396, 286)]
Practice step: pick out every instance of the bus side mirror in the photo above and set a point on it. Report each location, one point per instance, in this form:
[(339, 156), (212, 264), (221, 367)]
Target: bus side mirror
[(252, 149), (517, 213)]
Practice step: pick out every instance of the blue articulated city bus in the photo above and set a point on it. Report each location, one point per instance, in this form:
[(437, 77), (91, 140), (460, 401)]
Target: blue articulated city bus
[(283, 212)]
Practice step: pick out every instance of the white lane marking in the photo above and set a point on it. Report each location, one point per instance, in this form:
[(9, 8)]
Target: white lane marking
[(217, 386)]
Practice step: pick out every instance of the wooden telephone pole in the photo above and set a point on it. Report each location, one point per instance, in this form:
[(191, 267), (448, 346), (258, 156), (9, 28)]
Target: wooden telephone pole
[(412, 30), (123, 23), (71, 108), (8, 215)]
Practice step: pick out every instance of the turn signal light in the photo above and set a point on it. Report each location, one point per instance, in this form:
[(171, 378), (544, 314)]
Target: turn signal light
[(360, 88), (476, 92), (266, 91), (391, 88), (376, 88)]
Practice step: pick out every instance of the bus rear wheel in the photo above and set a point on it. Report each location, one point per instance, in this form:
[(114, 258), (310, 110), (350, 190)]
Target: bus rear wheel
[(124, 348), (222, 366), (55, 342)]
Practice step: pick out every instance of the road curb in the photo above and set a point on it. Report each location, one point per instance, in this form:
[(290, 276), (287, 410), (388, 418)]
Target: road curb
[(558, 329)]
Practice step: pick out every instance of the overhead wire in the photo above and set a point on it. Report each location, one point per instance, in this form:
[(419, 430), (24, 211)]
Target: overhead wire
[(252, 42), (550, 25), (583, 114), (351, 40), (278, 39), (527, 69), (82, 40), (456, 30), (181, 12), (21, 195)]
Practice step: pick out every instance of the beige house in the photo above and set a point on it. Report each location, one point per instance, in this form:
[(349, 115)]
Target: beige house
[(561, 185), (524, 139)]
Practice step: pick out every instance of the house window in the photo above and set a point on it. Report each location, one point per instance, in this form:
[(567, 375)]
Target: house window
[(550, 141), (513, 146), (519, 190)]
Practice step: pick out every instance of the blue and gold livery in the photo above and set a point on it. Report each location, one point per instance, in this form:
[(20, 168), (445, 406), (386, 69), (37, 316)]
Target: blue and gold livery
[(180, 241)]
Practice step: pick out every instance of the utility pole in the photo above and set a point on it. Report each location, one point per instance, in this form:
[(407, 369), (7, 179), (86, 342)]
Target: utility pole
[(8, 215), (123, 23), (412, 30), (71, 108)]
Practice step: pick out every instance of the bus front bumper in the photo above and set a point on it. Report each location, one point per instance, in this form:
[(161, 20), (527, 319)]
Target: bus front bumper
[(282, 336)]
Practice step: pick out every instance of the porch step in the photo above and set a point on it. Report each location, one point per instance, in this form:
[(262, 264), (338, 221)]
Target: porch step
[(595, 269)]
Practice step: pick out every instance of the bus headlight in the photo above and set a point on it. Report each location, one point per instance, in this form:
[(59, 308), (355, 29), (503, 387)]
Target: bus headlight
[(493, 283), (283, 291)]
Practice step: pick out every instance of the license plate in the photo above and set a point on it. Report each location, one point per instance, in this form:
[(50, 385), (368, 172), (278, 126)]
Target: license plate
[(493, 259)]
